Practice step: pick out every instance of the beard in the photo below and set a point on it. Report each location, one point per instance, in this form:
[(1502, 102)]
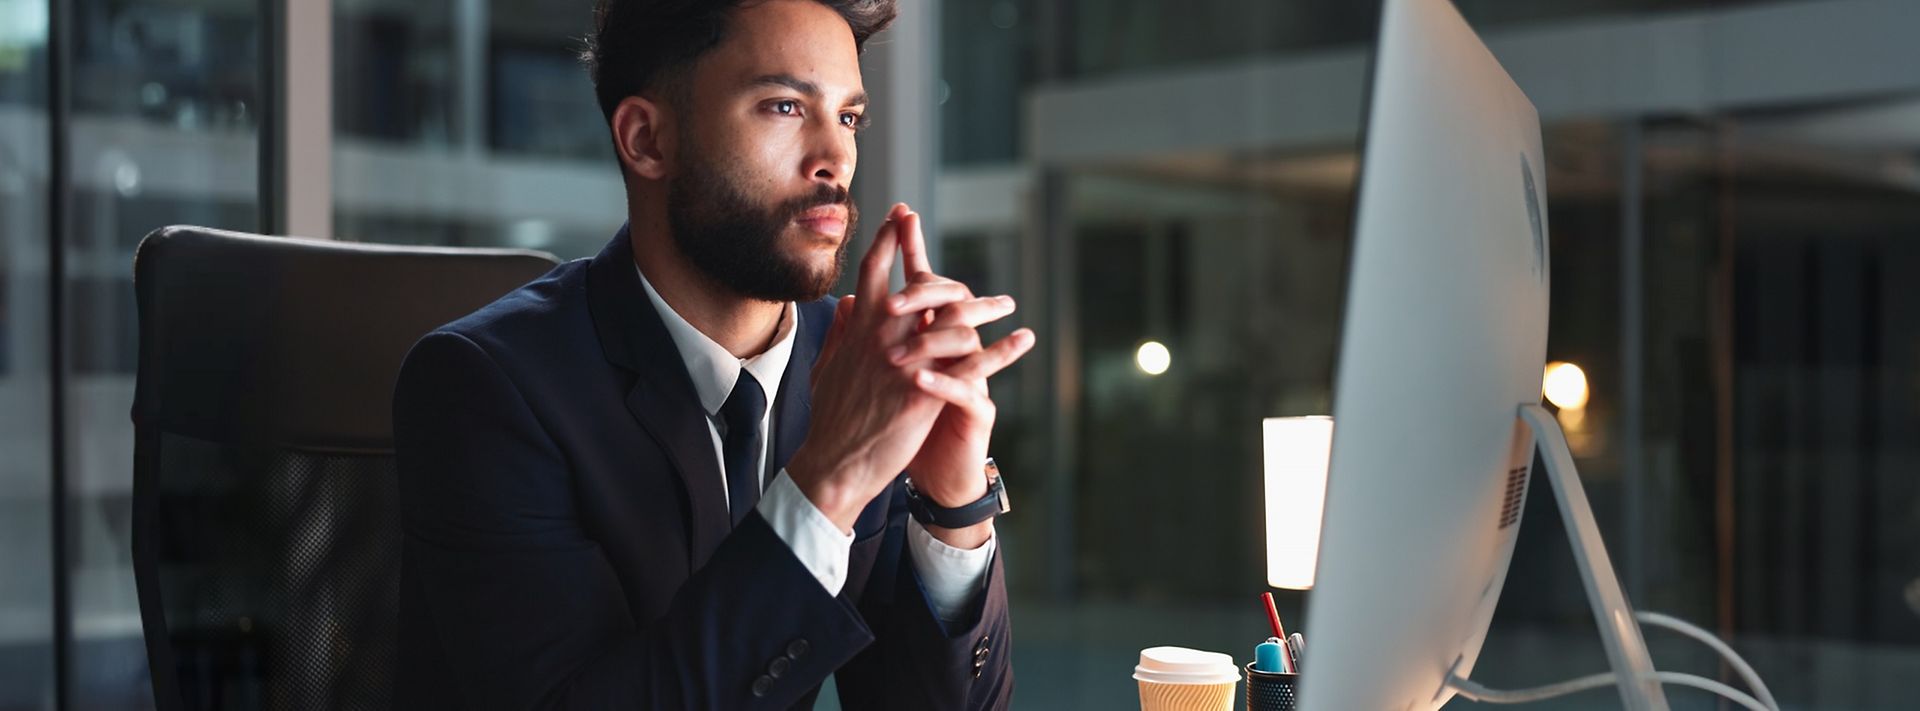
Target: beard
[(743, 245)]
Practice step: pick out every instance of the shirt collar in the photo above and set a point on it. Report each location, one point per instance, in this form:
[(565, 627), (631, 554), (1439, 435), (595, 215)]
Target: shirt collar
[(713, 368)]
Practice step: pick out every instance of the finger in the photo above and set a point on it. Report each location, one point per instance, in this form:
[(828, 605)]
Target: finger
[(842, 308), (964, 394), (913, 245), (842, 313), (972, 313), (944, 343), (874, 268), (927, 295), (994, 358)]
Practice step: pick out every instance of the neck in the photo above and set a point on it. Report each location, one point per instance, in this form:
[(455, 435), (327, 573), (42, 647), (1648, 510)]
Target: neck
[(745, 327)]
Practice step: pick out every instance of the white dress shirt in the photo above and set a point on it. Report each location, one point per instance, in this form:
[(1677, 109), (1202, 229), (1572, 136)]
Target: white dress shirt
[(951, 576)]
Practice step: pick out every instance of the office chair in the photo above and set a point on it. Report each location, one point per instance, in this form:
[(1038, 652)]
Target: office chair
[(266, 529)]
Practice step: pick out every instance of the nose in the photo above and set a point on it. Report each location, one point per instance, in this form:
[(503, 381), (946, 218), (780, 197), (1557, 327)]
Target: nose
[(831, 154)]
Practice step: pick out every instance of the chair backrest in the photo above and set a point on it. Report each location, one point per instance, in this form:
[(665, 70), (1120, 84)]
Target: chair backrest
[(266, 530)]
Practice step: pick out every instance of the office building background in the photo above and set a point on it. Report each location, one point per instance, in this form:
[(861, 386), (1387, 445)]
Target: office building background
[(1735, 221)]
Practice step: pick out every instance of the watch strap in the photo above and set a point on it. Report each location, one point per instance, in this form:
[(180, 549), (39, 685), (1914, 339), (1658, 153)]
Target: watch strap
[(993, 504)]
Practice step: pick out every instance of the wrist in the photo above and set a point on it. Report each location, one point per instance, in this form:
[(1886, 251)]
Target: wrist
[(950, 490), (980, 509), (954, 486), (825, 486)]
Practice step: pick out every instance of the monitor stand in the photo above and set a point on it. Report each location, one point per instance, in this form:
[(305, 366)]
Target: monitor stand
[(1619, 632)]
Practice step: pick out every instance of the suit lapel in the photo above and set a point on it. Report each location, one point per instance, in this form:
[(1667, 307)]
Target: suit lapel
[(661, 398)]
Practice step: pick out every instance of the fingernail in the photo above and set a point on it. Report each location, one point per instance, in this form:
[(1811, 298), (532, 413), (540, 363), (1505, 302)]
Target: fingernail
[(895, 353), (925, 377), (896, 303), (1004, 299)]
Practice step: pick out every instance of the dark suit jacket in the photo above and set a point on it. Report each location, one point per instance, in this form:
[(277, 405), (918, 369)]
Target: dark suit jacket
[(567, 536)]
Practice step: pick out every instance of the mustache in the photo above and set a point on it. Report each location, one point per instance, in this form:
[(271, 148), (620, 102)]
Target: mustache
[(821, 196)]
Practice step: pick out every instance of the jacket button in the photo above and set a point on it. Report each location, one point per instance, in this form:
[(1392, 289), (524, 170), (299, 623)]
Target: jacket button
[(778, 666), (797, 649), (762, 685)]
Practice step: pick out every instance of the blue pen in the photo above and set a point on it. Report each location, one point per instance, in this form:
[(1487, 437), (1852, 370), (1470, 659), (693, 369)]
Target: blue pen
[(1268, 657)]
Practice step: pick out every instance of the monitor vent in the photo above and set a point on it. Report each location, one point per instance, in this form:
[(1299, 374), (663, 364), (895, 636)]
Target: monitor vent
[(1516, 495)]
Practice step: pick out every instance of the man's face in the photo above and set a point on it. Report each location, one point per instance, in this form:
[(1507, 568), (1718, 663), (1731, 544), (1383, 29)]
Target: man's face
[(758, 195)]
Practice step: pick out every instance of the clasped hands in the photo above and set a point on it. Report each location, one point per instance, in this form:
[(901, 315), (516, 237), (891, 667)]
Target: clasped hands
[(901, 384)]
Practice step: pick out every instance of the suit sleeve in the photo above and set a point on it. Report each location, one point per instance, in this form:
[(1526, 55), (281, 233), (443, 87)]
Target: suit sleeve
[(917, 661), (508, 604)]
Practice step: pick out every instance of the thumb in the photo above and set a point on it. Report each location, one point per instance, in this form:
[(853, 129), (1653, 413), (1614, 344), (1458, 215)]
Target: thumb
[(842, 313)]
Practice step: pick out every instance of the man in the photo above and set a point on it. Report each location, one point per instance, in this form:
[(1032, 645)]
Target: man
[(670, 476)]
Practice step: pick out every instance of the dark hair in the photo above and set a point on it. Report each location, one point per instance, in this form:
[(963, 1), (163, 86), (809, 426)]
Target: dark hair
[(636, 44)]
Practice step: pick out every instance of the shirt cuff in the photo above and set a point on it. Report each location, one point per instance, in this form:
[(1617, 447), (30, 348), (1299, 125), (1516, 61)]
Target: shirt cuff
[(819, 544), (952, 576)]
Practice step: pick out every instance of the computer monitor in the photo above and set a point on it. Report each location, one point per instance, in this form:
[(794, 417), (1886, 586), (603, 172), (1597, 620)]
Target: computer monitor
[(1443, 342)]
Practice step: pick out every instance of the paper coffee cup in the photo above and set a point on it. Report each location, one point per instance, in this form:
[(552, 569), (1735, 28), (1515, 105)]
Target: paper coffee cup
[(1181, 679)]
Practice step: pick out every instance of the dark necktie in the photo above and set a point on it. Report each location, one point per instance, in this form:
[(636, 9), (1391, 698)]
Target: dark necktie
[(742, 413)]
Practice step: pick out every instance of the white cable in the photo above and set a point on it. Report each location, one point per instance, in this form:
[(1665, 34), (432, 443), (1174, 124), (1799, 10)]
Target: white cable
[(1739, 665), (1475, 692)]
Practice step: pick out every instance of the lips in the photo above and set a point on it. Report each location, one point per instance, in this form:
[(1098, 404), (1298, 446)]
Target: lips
[(825, 219)]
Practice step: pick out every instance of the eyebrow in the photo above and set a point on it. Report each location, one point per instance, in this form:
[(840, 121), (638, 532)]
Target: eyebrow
[(803, 86)]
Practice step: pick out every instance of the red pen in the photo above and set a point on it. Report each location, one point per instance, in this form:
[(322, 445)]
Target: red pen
[(1273, 617)]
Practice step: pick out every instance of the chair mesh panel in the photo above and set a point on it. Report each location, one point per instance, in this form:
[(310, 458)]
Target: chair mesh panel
[(279, 574)]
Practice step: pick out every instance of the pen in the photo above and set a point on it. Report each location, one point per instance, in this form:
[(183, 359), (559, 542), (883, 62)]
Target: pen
[(1296, 648), (1273, 615), (1269, 657), (1273, 618)]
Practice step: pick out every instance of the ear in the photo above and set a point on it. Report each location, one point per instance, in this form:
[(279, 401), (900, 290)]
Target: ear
[(640, 136)]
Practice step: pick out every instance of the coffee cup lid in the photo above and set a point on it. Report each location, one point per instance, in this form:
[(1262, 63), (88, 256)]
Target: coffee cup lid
[(1179, 665)]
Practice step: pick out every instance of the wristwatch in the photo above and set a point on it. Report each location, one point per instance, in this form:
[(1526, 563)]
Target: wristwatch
[(993, 504)]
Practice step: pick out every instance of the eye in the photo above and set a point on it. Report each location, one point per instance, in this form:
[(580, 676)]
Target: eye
[(853, 120), (786, 107)]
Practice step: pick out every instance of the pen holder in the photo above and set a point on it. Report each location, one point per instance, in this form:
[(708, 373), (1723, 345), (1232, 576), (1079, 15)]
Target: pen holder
[(1272, 691)]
